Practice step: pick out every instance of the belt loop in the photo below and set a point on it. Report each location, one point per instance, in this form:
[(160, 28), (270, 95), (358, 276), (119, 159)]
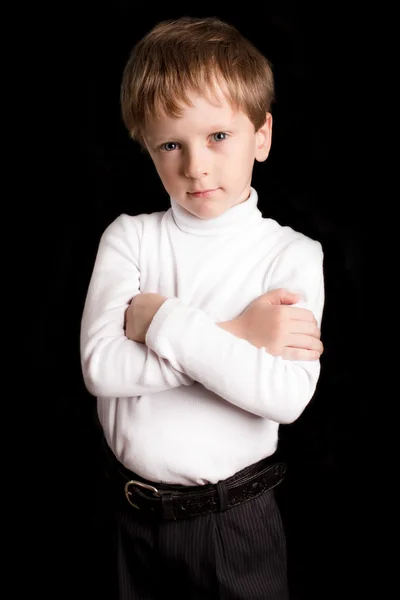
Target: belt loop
[(222, 491), (168, 507)]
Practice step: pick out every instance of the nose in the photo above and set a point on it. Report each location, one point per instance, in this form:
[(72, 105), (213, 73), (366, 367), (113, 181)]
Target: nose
[(195, 163)]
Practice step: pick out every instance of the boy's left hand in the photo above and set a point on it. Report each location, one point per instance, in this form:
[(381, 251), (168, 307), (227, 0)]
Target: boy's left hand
[(139, 315)]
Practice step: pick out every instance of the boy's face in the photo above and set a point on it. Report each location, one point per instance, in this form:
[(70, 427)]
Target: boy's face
[(205, 158)]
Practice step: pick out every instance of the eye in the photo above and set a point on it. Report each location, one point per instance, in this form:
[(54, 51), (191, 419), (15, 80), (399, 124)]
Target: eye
[(169, 146), (220, 136)]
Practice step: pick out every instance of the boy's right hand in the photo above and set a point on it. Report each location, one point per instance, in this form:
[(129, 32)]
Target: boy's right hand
[(283, 330)]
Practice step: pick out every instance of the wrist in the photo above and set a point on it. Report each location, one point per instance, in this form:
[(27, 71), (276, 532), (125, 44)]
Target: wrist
[(233, 326)]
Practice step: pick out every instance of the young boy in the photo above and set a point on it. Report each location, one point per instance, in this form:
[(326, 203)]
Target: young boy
[(200, 332)]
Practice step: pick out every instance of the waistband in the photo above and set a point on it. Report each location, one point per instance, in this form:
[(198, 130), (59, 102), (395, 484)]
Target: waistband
[(175, 502)]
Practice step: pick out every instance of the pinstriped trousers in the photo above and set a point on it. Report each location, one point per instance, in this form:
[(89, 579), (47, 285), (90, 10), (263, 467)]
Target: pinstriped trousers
[(237, 554)]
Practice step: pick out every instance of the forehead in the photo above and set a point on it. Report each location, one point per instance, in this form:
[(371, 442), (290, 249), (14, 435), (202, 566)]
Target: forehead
[(201, 114)]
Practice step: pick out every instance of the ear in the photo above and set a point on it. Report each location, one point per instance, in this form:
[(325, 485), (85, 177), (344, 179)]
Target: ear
[(263, 139)]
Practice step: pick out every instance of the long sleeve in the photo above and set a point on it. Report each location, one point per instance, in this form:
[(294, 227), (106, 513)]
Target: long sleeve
[(245, 376), (113, 365)]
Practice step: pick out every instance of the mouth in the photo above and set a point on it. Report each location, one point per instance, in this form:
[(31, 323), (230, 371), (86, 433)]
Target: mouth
[(203, 193)]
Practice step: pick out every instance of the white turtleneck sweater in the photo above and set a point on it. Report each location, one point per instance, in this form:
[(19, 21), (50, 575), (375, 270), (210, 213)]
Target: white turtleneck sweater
[(195, 404)]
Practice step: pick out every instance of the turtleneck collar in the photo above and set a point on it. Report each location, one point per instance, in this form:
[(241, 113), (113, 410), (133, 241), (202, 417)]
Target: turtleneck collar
[(237, 217)]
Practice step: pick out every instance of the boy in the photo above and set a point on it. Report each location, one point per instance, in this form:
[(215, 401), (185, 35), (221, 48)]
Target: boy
[(190, 340)]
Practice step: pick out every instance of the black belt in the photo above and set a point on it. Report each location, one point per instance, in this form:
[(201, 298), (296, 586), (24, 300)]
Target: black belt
[(168, 502)]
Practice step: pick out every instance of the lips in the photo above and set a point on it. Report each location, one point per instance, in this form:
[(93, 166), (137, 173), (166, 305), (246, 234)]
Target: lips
[(203, 193)]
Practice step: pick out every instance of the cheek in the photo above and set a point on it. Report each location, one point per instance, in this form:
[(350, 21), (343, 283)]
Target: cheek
[(168, 173), (242, 159), (168, 167), (163, 171)]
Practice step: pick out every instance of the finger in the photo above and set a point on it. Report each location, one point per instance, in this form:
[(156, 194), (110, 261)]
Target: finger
[(300, 354), (304, 341), (299, 314), (281, 296), (304, 327)]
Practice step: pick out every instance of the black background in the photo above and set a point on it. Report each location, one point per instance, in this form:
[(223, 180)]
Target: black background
[(310, 181)]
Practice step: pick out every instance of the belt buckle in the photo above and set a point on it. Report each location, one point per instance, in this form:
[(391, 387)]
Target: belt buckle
[(145, 486)]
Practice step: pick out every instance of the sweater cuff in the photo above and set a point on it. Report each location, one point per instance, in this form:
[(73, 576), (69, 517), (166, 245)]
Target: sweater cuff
[(158, 320)]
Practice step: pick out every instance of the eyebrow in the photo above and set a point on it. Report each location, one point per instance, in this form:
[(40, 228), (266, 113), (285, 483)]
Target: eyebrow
[(210, 129)]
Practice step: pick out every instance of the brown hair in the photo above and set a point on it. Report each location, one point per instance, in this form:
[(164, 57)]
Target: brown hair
[(193, 55)]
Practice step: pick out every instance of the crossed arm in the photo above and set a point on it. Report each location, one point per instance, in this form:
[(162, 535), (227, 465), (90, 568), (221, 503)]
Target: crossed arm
[(115, 363), (269, 322)]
